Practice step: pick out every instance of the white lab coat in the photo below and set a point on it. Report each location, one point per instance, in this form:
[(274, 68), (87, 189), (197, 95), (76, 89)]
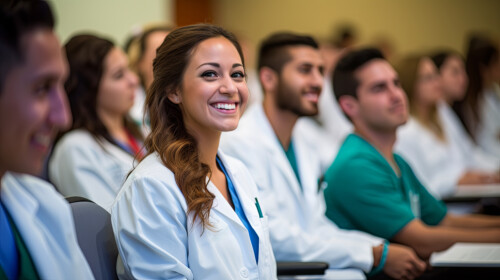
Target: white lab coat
[(136, 113), (137, 110), (488, 134), (299, 229), (331, 116), (46, 225), (438, 164), (157, 239), (82, 166), (319, 141), (474, 154)]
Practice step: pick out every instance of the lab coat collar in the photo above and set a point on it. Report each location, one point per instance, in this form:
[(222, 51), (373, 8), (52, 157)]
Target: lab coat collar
[(45, 227), (220, 203), (277, 150), (246, 199)]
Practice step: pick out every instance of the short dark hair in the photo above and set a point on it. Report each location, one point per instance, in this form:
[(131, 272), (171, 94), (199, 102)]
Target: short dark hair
[(272, 52), (18, 17), (343, 79)]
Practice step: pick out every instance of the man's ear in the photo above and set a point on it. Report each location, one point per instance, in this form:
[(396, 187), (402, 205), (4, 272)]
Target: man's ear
[(268, 79), (175, 96), (349, 105)]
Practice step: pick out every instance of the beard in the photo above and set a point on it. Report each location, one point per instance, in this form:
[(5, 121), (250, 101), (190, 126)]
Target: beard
[(290, 99)]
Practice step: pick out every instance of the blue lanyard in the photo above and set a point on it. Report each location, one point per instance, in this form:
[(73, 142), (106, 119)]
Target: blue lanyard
[(254, 238), (9, 257)]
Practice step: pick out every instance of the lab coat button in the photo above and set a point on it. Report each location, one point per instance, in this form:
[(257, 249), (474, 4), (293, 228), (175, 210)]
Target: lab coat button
[(244, 272)]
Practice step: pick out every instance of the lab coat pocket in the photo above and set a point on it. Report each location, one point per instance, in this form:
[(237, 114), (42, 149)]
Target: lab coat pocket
[(264, 230), (264, 223), (266, 258)]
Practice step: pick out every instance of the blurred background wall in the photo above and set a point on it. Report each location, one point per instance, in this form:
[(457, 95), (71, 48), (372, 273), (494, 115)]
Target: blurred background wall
[(115, 19), (407, 25), (411, 25)]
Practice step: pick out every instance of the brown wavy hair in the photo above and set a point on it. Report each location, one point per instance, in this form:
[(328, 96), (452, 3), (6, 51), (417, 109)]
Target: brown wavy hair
[(169, 137)]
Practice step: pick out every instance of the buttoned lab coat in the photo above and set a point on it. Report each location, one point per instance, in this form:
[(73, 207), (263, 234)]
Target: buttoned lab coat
[(84, 166), (157, 239), (298, 227), (45, 223)]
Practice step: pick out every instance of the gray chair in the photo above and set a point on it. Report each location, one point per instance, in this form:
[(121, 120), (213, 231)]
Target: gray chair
[(95, 237)]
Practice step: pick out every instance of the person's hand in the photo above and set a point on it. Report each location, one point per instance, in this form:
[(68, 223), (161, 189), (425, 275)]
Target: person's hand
[(478, 177), (403, 263)]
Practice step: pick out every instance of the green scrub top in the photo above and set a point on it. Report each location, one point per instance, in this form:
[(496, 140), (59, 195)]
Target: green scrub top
[(363, 192), (292, 159), (27, 269)]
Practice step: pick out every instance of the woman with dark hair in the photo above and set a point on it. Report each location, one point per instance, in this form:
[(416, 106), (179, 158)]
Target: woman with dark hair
[(426, 142), (454, 79), (187, 210), (454, 82), (93, 158), (480, 110)]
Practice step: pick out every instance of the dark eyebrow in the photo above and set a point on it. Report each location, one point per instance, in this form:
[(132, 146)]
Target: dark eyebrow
[(49, 78), (307, 64), (211, 64), (218, 65), (378, 84)]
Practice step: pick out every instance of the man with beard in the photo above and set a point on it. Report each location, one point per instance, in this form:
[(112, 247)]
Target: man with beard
[(286, 167)]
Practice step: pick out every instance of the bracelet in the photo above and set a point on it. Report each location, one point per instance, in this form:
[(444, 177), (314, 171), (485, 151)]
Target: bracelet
[(383, 258)]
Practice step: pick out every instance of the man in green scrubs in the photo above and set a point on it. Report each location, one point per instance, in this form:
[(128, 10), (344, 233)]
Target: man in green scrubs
[(281, 154), (374, 190)]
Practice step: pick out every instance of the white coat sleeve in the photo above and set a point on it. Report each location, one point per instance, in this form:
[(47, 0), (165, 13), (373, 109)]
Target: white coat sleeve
[(483, 161), (440, 183), (488, 134), (76, 170), (149, 225)]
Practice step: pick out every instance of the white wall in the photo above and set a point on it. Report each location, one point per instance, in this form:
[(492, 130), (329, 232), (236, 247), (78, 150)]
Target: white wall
[(114, 19)]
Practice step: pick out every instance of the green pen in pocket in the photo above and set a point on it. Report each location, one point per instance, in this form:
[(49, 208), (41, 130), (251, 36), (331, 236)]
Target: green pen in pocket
[(258, 208)]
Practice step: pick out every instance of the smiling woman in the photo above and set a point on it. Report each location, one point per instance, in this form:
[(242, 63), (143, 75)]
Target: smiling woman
[(187, 205), (212, 94)]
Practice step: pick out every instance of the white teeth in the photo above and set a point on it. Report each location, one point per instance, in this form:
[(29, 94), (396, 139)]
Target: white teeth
[(225, 106), (43, 139)]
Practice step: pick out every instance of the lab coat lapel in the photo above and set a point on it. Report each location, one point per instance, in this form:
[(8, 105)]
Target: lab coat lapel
[(24, 207), (247, 200), (308, 167), (222, 206), (279, 154), (117, 152)]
